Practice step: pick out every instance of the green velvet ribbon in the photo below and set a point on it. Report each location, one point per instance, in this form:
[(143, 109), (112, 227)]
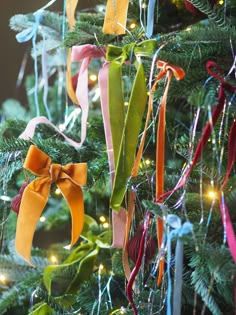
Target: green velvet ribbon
[(125, 127)]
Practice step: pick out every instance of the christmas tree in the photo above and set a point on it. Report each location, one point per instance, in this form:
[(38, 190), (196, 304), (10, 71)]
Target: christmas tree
[(125, 150)]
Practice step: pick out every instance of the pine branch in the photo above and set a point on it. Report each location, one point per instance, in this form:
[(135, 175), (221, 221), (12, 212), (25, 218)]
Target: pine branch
[(215, 14)]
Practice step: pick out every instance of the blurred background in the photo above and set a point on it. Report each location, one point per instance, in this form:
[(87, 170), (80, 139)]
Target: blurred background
[(11, 52)]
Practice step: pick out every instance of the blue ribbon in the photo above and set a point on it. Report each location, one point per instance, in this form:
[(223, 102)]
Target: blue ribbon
[(24, 36), (150, 18), (178, 231), (30, 32)]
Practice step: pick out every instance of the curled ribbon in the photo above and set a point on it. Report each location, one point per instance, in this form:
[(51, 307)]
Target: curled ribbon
[(178, 230), (116, 16), (125, 128), (84, 53), (68, 178), (230, 235)]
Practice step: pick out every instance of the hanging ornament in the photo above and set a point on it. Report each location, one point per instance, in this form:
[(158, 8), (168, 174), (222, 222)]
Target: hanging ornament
[(16, 201), (134, 245)]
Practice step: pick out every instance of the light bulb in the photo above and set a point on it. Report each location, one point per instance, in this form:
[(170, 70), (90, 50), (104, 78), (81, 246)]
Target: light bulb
[(212, 194), (105, 225), (93, 77), (102, 218), (57, 192), (42, 219), (53, 259), (3, 278)]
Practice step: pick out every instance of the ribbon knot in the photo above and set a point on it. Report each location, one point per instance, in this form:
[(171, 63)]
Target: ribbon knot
[(68, 179), (85, 53), (55, 171), (178, 230), (128, 52), (165, 67)]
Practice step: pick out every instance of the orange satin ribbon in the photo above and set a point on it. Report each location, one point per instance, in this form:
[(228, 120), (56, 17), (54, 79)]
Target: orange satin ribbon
[(68, 178), (116, 16), (168, 70), (70, 13)]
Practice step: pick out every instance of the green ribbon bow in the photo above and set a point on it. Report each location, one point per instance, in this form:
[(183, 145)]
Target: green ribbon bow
[(125, 127)]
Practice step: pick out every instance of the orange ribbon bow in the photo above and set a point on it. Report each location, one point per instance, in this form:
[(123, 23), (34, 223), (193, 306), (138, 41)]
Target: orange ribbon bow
[(68, 178), (168, 70)]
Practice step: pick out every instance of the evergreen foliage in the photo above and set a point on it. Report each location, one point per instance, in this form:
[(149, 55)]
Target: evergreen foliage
[(95, 284)]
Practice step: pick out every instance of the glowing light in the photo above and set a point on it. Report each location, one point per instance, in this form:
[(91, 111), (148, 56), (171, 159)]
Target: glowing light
[(53, 259), (132, 25), (93, 77), (5, 198), (57, 191), (101, 267), (148, 162), (105, 225), (42, 219), (126, 103), (221, 2), (102, 219), (144, 5), (212, 194), (188, 29), (3, 278)]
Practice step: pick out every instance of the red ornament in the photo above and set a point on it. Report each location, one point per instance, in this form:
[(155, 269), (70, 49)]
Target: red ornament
[(134, 244), (16, 201), (191, 8)]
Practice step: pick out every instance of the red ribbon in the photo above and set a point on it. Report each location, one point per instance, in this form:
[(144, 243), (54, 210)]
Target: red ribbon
[(230, 235)]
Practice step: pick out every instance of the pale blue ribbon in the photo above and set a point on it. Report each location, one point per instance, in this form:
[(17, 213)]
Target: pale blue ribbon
[(178, 231), (150, 18), (24, 36)]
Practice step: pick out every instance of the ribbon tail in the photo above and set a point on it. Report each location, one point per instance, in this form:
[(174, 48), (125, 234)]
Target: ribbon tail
[(74, 198), (129, 139), (116, 107), (118, 219), (178, 282), (82, 96), (70, 12), (32, 205), (116, 16), (69, 86), (150, 18)]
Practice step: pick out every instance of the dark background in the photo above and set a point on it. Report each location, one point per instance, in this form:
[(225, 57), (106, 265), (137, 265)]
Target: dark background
[(11, 52)]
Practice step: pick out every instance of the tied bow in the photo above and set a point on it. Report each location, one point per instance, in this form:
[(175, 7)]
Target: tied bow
[(68, 178), (125, 128)]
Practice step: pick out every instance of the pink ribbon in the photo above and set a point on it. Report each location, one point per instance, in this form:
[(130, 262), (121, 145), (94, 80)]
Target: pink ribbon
[(230, 235), (85, 53), (118, 218), (29, 131)]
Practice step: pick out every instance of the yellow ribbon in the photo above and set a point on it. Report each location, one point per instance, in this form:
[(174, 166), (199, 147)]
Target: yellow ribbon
[(116, 16), (68, 178), (70, 13)]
